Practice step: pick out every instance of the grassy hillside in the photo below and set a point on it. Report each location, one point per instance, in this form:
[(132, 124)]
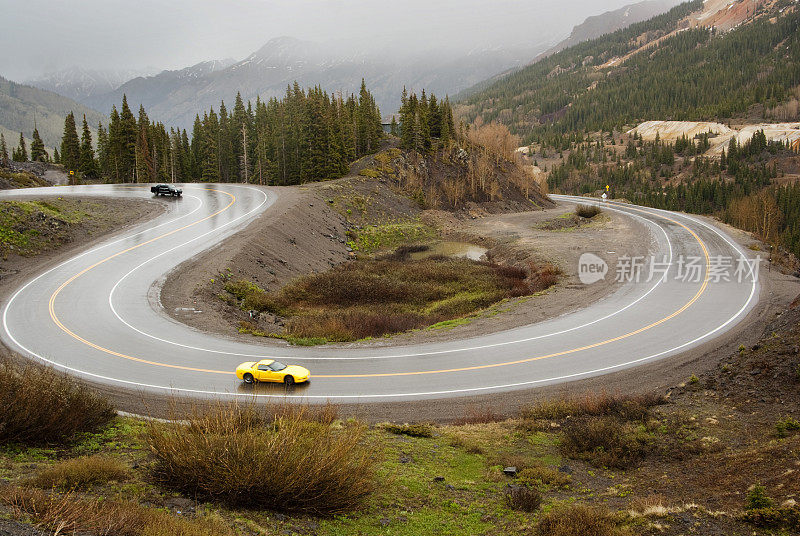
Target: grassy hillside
[(20, 105), (685, 73)]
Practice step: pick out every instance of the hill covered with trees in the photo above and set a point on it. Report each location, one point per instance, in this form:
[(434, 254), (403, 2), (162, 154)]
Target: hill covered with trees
[(677, 72), (23, 108)]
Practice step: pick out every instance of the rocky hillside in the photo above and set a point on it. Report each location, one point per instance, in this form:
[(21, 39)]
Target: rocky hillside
[(682, 65)]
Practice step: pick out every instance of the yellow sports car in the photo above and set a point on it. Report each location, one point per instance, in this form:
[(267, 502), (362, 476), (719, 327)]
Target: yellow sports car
[(269, 370)]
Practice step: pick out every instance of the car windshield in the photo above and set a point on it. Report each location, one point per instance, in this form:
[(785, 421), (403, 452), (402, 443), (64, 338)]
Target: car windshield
[(276, 366)]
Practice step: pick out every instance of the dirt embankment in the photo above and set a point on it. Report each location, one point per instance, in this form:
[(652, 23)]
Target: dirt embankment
[(310, 229), (39, 231)]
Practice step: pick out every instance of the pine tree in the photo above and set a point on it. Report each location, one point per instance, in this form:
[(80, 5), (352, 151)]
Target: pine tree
[(144, 161), (56, 156), (3, 151), (38, 152), (70, 147), (86, 162), (21, 154), (128, 132), (407, 113), (210, 171), (103, 152)]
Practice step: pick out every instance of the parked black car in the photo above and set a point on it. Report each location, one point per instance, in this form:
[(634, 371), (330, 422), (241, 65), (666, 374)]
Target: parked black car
[(166, 189)]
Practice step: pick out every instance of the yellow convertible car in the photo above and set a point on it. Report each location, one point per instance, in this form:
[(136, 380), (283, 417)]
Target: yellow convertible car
[(269, 370)]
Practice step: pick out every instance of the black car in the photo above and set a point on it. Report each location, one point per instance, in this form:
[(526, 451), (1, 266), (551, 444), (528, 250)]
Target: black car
[(166, 189)]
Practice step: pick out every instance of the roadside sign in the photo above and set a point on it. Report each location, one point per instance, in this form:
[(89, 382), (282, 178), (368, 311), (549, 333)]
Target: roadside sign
[(606, 187), (604, 196)]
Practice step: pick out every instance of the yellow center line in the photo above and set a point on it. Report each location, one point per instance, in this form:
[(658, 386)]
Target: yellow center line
[(55, 294), (377, 375)]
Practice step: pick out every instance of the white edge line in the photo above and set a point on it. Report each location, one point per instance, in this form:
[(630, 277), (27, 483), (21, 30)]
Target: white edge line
[(398, 356), (427, 393)]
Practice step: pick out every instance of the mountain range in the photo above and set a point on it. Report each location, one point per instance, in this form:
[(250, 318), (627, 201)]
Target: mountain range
[(80, 84), (174, 97)]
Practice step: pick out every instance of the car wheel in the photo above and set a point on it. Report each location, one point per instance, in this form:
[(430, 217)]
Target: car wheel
[(288, 380), (248, 378)]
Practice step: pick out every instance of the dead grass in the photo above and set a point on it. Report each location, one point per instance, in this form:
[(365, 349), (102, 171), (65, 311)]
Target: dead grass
[(604, 429), (580, 520), (539, 474), (605, 441), (627, 407), (81, 473), (480, 415), (523, 498), (70, 513), (41, 405), (246, 456)]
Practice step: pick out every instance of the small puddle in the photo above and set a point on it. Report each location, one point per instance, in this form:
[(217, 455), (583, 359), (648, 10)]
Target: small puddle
[(452, 249)]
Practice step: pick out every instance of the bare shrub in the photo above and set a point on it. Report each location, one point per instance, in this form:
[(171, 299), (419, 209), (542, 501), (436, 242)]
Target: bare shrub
[(543, 276), (758, 213), (628, 407), (495, 139), (523, 498), (69, 513), (253, 457), (42, 405), (604, 441), (580, 520), (587, 211), (81, 473)]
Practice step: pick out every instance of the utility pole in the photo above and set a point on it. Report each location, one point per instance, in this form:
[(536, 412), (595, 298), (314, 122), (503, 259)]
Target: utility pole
[(244, 152)]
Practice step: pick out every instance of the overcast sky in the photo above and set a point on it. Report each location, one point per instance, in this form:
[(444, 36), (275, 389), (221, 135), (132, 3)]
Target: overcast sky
[(39, 36)]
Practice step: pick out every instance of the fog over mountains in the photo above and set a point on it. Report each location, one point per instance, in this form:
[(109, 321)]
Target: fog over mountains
[(176, 96)]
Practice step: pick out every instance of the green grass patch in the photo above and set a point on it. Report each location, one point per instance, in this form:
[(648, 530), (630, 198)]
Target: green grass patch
[(372, 238)]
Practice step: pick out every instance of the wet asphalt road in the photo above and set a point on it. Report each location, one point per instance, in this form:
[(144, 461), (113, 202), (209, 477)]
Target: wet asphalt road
[(98, 315)]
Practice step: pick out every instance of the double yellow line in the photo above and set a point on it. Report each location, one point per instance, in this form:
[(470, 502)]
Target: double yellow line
[(58, 322)]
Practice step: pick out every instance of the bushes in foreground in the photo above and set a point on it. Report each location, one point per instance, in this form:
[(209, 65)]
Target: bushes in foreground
[(605, 441), (249, 457), (81, 473), (627, 407), (70, 513), (41, 405)]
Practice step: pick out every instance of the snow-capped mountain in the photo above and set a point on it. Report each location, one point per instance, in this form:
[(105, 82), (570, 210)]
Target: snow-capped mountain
[(80, 84)]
